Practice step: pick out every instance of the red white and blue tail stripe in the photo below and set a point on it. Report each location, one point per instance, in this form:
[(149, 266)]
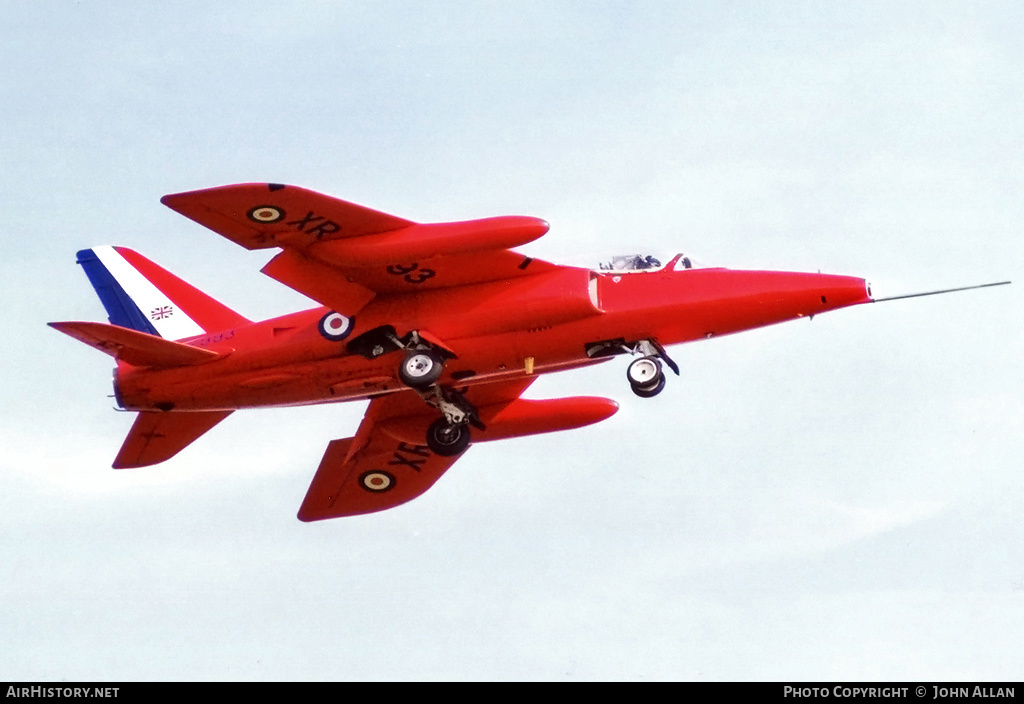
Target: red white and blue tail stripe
[(142, 296)]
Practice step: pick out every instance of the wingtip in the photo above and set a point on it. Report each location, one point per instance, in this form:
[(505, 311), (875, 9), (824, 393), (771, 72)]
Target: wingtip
[(174, 200), (66, 326)]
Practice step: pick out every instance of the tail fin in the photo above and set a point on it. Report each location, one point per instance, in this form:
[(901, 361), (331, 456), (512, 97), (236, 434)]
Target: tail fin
[(140, 295)]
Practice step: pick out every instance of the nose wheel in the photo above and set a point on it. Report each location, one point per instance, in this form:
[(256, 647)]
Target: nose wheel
[(646, 377)]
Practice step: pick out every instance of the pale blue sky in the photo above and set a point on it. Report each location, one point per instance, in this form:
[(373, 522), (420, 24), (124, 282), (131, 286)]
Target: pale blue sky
[(832, 500)]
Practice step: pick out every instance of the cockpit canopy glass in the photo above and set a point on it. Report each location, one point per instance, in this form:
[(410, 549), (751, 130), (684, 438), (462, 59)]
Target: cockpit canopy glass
[(626, 263)]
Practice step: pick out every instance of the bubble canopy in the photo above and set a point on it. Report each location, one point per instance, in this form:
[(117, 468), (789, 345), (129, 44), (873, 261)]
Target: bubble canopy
[(645, 261)]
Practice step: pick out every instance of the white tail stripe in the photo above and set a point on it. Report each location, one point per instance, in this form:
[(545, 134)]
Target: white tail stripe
[(169, 320)]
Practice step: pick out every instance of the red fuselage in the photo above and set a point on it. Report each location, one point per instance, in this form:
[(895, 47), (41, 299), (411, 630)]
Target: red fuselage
[(497, 330)]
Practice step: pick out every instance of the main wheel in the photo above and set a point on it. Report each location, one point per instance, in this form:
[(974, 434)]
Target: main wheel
[(421, 368), (644, 373), (447, 440)]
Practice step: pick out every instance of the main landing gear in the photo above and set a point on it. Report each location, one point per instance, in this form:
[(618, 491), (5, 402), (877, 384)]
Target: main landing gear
[(449, 435), (420, 370), (447, 440)]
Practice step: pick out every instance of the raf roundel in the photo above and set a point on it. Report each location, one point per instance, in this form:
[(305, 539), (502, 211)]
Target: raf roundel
[(266, 214), (335, 326), (377, 481)]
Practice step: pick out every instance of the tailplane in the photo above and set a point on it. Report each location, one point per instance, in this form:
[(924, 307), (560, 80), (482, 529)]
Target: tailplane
[(137, 348), (157, 436), (143, 296)]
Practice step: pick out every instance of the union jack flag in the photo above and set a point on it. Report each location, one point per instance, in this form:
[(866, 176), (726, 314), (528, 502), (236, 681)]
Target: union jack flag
[(161, 313)]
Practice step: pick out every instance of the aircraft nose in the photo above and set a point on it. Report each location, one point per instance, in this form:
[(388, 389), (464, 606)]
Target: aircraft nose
[(841, 291)]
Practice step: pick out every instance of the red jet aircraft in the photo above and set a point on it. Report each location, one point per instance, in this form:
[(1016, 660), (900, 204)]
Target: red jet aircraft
[(441, 327)]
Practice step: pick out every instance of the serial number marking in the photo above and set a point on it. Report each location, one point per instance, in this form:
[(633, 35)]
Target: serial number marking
[(211, 339), (421, 451), (316, 225), (412, 273)]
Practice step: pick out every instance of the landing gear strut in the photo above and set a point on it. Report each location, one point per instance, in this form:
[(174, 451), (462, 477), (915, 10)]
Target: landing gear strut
[(450, 435), (423, 362), (420, 370)]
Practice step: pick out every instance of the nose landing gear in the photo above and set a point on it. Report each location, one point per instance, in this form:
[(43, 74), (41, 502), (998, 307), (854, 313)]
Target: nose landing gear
[(646, 377)]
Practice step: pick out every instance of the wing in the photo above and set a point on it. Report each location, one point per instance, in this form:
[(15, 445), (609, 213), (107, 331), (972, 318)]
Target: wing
[(342, 254), (376, 470)]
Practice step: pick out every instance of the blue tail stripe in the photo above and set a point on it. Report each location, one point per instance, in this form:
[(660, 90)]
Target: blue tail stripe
[(121, 309)]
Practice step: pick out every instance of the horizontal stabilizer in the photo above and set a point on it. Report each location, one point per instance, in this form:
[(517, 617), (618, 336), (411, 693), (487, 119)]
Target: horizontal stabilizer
[(157, 436), (136, 348)]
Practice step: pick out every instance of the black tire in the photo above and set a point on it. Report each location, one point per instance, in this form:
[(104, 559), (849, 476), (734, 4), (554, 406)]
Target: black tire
[(421, 368), (649, 391), (447, 440)]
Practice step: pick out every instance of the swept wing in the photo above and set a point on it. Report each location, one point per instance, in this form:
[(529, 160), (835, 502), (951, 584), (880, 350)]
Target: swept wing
[(343, 255), (378, 469)]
